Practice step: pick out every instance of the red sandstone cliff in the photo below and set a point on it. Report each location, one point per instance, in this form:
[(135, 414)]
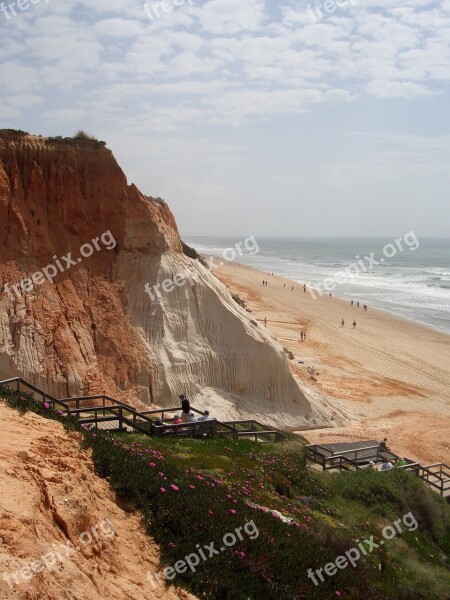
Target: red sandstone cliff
[(94, 329)]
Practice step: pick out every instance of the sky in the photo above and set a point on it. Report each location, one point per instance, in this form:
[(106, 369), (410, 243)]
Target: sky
[(249, 117)]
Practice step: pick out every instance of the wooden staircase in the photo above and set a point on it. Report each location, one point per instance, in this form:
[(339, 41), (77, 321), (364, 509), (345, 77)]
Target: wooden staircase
[(105, 413)]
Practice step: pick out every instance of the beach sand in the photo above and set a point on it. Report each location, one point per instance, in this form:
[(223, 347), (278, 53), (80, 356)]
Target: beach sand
[(390, 375)]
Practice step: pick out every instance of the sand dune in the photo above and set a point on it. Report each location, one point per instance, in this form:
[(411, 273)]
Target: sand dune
[(390, 376)]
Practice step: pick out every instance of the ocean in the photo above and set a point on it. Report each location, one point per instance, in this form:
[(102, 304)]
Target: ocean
[(410, 278)]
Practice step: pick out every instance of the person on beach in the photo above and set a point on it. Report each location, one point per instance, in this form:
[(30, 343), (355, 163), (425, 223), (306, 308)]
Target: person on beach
[(358, 304), (352, 303), (342, 323), (304, 336), (304, 288), (354, 323), (265, 321)]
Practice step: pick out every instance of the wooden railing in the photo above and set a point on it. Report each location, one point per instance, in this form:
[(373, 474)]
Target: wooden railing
[(437, 476), (254, 429), (109, 410), (46, 398)]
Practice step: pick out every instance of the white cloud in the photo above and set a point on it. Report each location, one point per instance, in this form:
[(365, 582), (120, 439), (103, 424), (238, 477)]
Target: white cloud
[(396, 89)]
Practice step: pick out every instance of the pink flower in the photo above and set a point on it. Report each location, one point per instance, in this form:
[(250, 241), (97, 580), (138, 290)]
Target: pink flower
[(151, 464), (232, 511), (174, 487), (338, 593), (210, 512), (199, 477), (192, 487), (162, 490), (161, 474), (46, 405)]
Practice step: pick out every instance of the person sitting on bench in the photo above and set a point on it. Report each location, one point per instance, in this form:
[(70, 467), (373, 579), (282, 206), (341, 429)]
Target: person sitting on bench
[(192, 418), (205, 416), (177, 420), (387, 466), (383, 444)]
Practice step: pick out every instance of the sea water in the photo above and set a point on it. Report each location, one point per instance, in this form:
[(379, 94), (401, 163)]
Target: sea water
[(411, 279)]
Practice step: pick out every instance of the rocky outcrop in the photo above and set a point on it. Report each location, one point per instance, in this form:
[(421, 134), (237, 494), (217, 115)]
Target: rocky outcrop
[(87, 325), (62, 534)]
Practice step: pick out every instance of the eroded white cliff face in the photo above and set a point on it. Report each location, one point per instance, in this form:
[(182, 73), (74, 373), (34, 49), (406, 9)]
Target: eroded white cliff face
[(206, 346), (95, 328)]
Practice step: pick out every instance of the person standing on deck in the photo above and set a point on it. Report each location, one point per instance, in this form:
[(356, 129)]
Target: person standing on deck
[(185, 408)]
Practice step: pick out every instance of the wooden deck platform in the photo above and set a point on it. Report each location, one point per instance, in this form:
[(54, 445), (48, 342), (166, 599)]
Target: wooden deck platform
[(361, 452)]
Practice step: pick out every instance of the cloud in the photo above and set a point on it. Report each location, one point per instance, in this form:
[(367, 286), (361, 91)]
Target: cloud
[(396, 89), (223, 61)]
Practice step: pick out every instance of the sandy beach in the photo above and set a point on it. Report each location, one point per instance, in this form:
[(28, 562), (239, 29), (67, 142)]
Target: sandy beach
[(389, 375)]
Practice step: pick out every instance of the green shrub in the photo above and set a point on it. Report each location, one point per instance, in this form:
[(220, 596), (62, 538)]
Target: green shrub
[(82, 136), (192, 253), (239, 301), (394, 494), (281, 484)]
